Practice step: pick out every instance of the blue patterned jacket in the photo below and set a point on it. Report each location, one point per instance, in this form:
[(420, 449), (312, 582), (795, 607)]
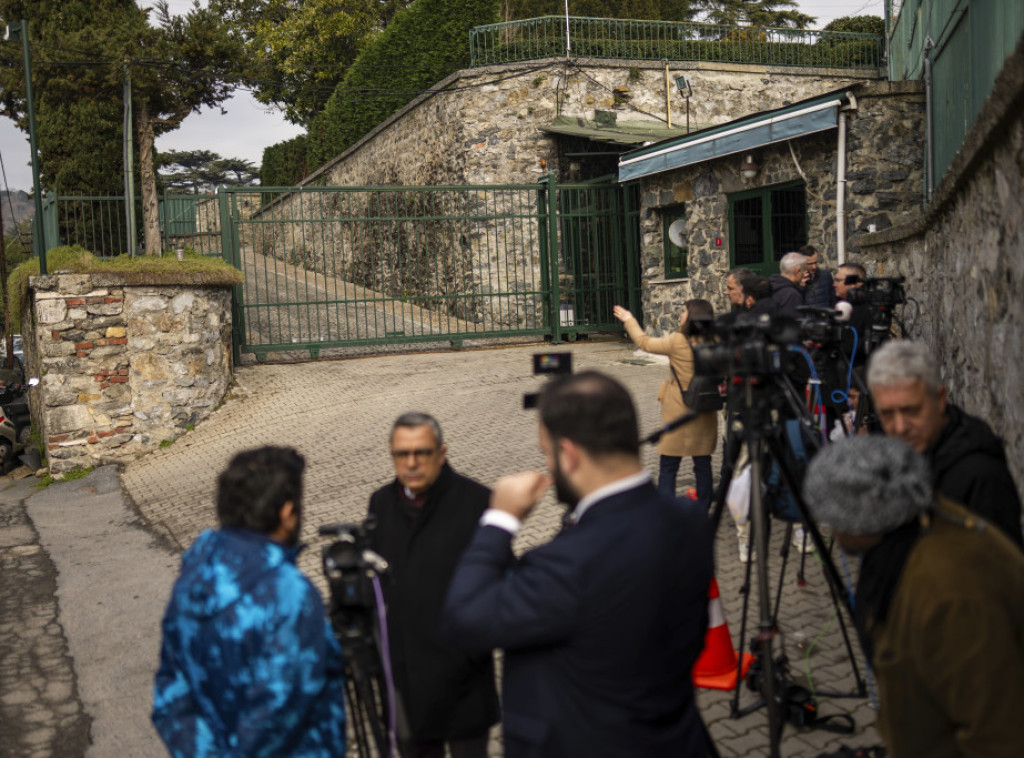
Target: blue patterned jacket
[(248, 665)]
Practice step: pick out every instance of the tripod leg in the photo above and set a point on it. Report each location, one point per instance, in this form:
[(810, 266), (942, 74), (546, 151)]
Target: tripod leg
[(832, 578)]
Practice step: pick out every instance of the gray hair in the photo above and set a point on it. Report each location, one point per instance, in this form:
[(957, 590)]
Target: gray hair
[(414, 419), (903, 362), (792, 262), (867, 485)]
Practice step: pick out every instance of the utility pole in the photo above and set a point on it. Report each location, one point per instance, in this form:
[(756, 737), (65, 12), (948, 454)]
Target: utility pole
[(19, 30), (129, 161), (8, 338)]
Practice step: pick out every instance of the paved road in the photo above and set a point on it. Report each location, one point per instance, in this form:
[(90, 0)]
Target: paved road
[(116, 556)]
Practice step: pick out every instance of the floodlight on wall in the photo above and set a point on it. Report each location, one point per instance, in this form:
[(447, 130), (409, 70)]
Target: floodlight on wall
[(684, 89), (749, 169)]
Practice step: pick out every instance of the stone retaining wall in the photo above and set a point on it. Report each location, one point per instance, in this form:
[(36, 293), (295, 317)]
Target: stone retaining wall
[(964, 263), (123, 367)]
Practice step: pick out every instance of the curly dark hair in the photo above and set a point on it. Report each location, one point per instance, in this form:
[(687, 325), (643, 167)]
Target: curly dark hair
[(254, 486)]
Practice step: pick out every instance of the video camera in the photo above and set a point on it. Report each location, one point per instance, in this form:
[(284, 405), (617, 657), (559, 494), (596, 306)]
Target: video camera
[(348, 565), (547, 363), (745, 345), (822, 326), (880, 292)]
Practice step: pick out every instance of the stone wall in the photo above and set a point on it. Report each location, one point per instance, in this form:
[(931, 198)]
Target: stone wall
[(483, 126), (964, 263), (884, 163), (123, 367)]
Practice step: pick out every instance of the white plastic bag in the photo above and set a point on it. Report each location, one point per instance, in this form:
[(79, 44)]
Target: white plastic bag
[(738, 496)]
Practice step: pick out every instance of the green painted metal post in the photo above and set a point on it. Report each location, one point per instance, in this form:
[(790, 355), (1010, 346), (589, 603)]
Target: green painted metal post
[(232, 255), (20, 30), (554, 256)]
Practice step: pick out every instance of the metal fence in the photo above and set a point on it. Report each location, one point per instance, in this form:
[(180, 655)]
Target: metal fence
[(336, 267), (554, 36), (98, 223)]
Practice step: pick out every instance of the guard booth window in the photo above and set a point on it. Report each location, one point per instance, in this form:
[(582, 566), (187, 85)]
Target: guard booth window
[(765, 224), (673, 235)]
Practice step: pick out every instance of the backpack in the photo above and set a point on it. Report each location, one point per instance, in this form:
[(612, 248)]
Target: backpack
[(702, 394)]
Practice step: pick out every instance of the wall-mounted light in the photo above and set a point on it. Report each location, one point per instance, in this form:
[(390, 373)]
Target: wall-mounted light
[(749, 169), (684, 89)]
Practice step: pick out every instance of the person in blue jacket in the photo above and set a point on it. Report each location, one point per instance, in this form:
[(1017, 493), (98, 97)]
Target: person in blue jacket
[(249, 665)]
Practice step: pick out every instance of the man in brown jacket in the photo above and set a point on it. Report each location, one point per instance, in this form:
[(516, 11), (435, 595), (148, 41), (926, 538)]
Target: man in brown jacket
[(940, 601)]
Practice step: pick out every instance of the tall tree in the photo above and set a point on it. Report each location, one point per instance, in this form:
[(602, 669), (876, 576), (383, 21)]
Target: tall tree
[(191, 62), (87, 48), (198, 171), (299, 50), (649, 10), (763, 13), (77, 101)]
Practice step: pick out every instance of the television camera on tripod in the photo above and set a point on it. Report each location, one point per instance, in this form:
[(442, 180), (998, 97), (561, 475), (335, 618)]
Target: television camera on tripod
[(357, 614)]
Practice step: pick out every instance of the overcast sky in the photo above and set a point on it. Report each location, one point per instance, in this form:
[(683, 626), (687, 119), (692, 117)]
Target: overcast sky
[(248, 126)]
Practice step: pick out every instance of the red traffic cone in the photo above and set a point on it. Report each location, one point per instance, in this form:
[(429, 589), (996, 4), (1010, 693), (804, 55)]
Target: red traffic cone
[(717, 666)]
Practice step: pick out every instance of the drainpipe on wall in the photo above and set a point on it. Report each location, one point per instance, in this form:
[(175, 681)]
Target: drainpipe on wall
[(929, 45), (841, 181)]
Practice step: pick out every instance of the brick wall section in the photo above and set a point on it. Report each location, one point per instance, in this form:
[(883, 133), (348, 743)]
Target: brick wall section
[(123, 367), (964, 263)]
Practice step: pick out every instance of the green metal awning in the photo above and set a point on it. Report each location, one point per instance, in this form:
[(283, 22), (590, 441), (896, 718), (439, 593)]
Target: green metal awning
[(797, 120), (615, 132)]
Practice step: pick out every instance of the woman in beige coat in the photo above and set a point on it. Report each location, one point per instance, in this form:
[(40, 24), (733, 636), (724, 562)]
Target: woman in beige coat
[(697, 438)]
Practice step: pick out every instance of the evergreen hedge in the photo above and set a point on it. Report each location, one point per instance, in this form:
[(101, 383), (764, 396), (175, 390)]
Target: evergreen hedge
[(422, 45), (284, 164)]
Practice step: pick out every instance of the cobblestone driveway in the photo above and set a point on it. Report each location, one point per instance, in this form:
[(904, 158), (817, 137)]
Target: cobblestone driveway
[(338, 413)]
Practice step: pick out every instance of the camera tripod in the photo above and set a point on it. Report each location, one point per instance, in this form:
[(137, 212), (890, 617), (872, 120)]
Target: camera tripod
[(762, 437), (353, 575)]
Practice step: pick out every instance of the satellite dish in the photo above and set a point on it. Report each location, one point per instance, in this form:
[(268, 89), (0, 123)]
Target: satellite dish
[(677, 232)]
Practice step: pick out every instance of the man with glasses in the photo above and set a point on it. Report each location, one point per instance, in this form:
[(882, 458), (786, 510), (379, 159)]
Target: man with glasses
[(420, 523)]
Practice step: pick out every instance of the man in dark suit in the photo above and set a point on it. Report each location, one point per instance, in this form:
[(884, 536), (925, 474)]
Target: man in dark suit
[(602, 625)]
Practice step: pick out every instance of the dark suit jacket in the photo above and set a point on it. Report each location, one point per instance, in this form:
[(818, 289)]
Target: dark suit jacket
[(601, 628)]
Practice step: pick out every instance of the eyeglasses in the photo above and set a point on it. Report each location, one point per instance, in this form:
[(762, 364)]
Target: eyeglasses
[(419, 454)]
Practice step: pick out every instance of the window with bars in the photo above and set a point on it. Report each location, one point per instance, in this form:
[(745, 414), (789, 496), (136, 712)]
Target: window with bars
[(765, 224)]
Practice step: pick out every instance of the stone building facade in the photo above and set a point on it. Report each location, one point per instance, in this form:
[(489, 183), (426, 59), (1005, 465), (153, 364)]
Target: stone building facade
[(483, 125), (123, 367), (884, 172)]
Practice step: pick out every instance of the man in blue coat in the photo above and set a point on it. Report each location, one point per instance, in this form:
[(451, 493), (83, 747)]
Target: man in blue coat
[(249, 665), (602, 625)]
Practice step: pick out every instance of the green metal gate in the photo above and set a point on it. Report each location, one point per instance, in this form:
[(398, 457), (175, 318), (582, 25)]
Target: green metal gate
[(334, 267)]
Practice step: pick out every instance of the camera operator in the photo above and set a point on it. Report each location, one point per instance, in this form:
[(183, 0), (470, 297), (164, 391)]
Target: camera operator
[(851, 276), (601, 626), (939, 602), (248, 663), (818, 290), (967, 460), (422, 521)]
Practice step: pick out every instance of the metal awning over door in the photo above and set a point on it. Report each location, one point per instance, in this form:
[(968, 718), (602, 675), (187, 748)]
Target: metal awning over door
[(797, 120)]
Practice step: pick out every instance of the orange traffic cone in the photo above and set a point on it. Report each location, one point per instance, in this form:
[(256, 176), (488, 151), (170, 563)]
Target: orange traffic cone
[(717, 665)]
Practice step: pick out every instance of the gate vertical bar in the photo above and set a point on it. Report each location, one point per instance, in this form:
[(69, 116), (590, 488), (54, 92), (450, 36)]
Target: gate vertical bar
[(230, 250), (554, 257)]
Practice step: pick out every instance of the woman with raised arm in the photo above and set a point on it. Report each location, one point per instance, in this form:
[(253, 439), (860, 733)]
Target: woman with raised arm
[(697, 438)]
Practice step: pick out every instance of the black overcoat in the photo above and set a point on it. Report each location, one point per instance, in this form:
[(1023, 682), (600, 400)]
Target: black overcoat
[(447, 694)]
